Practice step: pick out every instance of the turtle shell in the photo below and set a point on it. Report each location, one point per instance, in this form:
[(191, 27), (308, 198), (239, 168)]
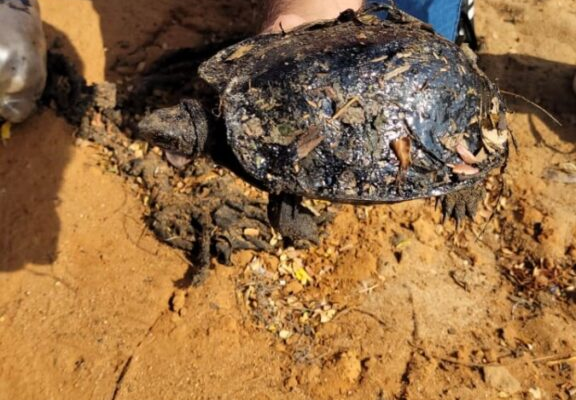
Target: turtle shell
[(359, 111)]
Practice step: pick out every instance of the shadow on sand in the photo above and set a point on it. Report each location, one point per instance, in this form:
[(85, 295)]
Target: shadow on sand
[(32, 164), (547, 83)]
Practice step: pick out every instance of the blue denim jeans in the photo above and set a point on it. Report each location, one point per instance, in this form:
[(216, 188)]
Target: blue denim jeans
[(443, 15)]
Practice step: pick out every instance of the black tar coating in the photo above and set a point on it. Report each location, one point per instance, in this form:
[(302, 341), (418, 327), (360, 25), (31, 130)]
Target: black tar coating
[(313, 112)]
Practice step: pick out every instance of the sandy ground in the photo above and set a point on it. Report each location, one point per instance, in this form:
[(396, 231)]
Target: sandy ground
[(90, 309)]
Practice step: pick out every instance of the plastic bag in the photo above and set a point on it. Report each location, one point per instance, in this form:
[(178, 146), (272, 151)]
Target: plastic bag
[(22, 58)]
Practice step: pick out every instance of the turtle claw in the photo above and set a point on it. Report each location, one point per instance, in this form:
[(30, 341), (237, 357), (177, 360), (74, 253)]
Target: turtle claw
[(462, 204)]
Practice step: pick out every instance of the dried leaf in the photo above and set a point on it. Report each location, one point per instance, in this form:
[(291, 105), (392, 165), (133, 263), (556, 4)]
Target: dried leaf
[(450, 142), (465, 154), (284, 334), (308, 142), (495, 105), (481, 156), (494, 140), (402, 244), (253, 128), (401, 148), (327, 316), (256, 266), (302, 276), (310, 207), (368, 19), (464, 169)]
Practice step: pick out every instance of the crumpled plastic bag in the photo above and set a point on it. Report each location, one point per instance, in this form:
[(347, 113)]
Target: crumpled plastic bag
[(22, 58)]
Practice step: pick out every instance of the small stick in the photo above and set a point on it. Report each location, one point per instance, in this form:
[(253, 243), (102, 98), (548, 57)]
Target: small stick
[(550, 360), (562, 361), (346, 106), (534, 104), (396, 72), (361, 311), (554, 360)]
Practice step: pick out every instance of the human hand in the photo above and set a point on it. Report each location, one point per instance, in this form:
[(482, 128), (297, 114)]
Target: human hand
[(284, 15)]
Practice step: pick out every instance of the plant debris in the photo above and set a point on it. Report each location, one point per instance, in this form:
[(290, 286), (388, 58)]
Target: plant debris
[(278, 292)]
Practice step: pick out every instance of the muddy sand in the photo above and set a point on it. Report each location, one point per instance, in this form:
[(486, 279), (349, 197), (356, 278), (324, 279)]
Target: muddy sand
[(392, 304)]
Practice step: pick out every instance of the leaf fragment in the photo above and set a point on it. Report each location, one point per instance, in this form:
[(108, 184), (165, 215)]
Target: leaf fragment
[(464, 169), (465, 154), (302, 276), (450, 142), (401, 148), (308, 142), (494, 140)]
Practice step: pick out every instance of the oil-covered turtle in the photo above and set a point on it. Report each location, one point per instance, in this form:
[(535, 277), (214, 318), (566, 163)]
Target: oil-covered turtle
[(357, 110)]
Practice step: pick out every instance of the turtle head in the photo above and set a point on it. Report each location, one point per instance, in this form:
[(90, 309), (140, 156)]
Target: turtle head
[(181, 130)]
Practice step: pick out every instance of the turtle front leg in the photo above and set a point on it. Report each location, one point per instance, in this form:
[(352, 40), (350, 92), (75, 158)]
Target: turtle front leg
[(291, 219), (463, 203)]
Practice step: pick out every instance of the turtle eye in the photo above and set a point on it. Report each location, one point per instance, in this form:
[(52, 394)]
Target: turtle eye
[(164, 140)]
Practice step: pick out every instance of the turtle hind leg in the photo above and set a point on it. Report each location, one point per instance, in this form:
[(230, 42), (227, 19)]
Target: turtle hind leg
[(463, 203), (291, 219)]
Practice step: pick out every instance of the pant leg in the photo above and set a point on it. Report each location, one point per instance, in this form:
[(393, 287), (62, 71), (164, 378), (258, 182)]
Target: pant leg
[(443, 15)]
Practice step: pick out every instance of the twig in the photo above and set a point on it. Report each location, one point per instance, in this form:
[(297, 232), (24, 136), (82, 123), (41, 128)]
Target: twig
[(562, 361), (394, 73), (534, 104), (346, 106), (128, 362), (555, 360), (549, 360), (120, 379), (361, 311), (368, 289)]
